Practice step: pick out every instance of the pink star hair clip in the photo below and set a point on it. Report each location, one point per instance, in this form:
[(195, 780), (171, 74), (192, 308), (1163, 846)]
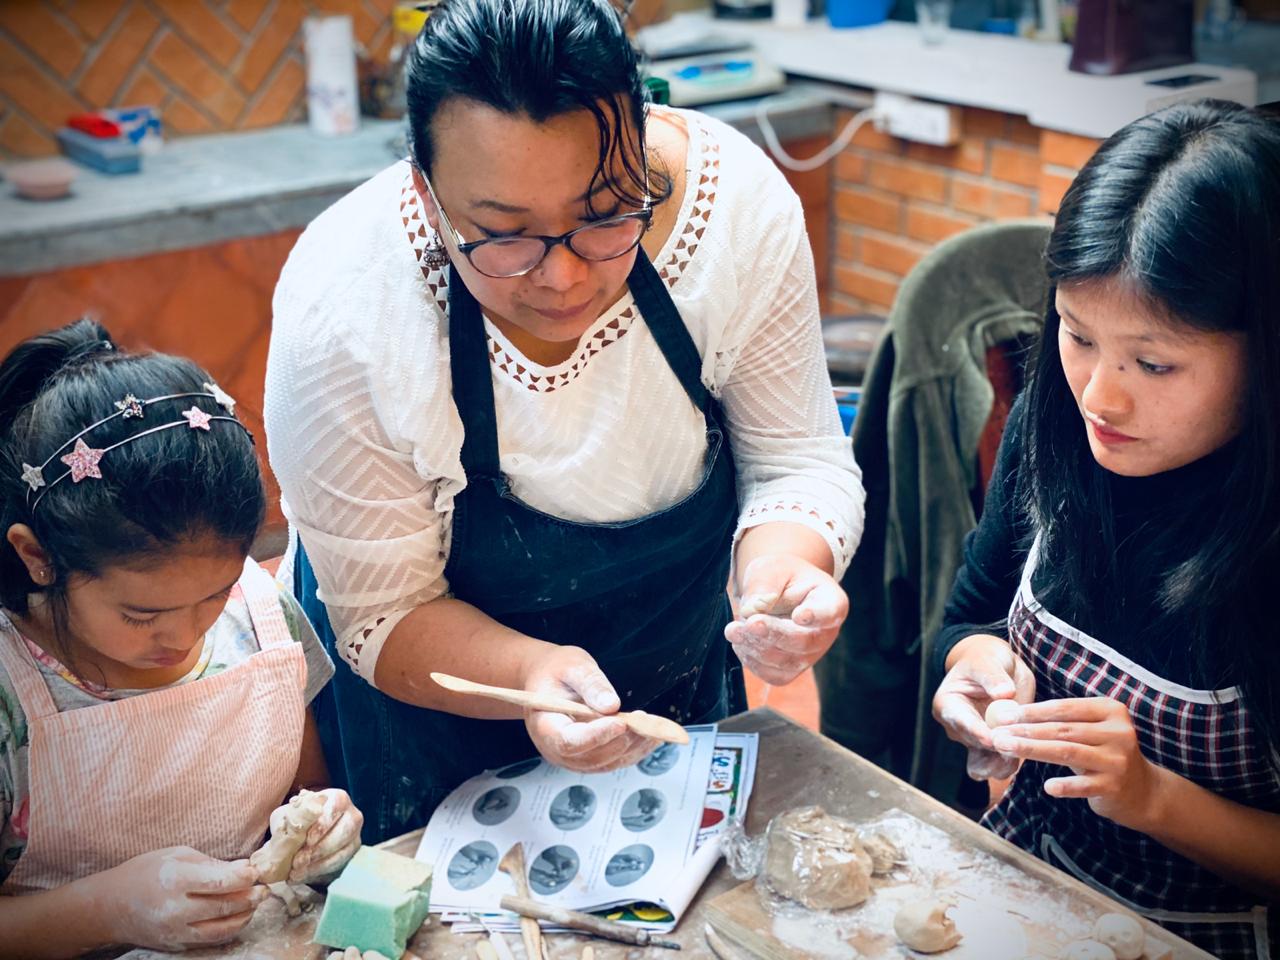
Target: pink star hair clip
[(83, 460)]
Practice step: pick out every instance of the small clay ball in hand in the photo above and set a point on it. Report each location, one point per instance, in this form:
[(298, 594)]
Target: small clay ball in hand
[(1001, 713)]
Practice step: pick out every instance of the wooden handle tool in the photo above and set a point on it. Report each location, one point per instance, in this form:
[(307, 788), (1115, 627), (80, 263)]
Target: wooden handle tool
[(645, 724), (596, 926), (513, 865)]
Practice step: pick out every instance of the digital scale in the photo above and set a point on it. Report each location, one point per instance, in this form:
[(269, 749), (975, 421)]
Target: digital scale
[(722, 75)]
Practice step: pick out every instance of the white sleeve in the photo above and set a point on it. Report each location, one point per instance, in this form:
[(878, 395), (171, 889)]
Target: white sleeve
[(794, 460), (368, 519)]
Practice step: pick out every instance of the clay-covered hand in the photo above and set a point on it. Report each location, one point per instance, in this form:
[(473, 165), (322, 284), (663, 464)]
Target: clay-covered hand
[(983, 668), (175, 898), (332, 840), (594, 746), (788, 617), (1095, 738)]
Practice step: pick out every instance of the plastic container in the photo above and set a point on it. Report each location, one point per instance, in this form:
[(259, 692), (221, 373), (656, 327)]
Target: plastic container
[(110, 156), (857, 13)]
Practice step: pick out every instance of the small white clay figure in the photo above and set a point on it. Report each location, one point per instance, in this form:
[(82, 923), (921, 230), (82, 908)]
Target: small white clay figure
[(923, 925), (289, 826), (1088, 950), (1001, 713), (1124, 935)]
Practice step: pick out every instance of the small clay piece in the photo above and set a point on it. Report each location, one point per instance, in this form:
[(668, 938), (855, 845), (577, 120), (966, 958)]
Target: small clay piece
[(1001, 713), (923, 925), (289, 826), (1088, 950), (1123, 934), (885, 854), (817, 860)]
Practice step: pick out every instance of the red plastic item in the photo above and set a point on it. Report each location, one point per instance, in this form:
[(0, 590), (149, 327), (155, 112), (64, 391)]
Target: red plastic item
[(95, 126)]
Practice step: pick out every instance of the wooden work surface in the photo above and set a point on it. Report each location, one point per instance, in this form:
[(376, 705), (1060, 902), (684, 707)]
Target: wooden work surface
[(796, 767)]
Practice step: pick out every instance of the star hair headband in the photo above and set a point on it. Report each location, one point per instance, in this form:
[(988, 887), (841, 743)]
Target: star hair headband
[(82, 462)]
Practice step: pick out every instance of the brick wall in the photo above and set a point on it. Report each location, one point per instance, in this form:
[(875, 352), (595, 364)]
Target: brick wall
[(893, 200), (209, 64)]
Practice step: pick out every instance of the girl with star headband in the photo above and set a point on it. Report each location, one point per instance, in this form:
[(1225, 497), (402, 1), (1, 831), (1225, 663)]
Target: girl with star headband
[(154, 682)]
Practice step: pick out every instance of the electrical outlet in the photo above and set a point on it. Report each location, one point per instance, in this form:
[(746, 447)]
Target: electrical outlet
[(917, 120)]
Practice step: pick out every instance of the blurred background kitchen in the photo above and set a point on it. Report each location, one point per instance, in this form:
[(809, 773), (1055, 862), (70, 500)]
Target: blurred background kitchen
[(161, 156)]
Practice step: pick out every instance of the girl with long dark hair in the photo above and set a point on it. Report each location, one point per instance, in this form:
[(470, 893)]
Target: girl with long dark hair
[(1134, 523)]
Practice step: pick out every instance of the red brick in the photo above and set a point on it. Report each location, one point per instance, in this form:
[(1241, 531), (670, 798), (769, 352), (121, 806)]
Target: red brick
[(26, 84), (846, 245), (1015, 164), (985, 124), (910, 180), (280, 32), (37, 29), (177, 60), (246, 13), (986, 200), (18, 138), (1052, 187), (969, 155), (1021, 130), (281, 99), (872, 139), (94, 16), (202, 28), (145, 89), (851, 167), (1065, 149), (866, 286), (891, 255), (932, 227), (118, 57), (183, 119), (863, 206)]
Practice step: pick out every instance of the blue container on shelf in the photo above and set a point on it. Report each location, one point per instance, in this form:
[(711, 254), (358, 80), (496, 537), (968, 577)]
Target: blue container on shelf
[(857, 13)]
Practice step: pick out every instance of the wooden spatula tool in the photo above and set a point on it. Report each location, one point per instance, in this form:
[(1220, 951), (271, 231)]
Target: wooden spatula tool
[(645, 724)]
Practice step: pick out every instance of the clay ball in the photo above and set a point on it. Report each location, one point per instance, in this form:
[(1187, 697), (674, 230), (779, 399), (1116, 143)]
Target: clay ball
[(1124, 935), (1001, 713), (923, 925)]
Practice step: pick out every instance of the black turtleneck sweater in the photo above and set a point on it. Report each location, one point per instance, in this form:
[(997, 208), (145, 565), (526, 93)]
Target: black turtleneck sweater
[(1132, 622)]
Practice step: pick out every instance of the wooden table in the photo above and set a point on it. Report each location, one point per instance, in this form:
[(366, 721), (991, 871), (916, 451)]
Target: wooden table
[(796, 767)]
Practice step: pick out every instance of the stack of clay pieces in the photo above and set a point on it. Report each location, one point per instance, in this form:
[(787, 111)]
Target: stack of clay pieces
[(1117, 937), (378, 903)]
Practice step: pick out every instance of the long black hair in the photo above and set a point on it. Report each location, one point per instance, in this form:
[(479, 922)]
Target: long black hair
[(1183, 207), (538, 59), (156, 492)]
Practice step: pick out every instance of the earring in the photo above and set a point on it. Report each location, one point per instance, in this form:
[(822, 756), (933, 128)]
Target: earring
[(435, 255), (44, 575)]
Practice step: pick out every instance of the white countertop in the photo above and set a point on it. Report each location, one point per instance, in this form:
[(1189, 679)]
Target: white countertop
[(1004, 73)]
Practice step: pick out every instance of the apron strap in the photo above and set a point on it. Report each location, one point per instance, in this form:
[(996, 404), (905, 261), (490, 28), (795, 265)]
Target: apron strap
[(33, 695), (262, 597), (472, 377)]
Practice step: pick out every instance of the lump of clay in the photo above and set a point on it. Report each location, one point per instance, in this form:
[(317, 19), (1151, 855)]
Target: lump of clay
[(923, 925), (1088, 950), (817, 860), (884, 853), (1124, 935), (289, 826), (1001, 713)]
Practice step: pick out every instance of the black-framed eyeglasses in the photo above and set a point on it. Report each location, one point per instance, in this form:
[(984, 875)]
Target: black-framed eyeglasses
[(504, 257)]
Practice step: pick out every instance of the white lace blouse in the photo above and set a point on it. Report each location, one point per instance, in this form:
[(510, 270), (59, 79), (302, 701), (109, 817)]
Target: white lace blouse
[(365, 438)]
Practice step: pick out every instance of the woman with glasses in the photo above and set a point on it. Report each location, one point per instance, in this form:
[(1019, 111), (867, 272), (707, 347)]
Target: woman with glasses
[(535, 398)]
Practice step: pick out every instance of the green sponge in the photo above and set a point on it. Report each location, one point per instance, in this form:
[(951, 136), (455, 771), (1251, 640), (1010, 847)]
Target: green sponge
[(378, 903)]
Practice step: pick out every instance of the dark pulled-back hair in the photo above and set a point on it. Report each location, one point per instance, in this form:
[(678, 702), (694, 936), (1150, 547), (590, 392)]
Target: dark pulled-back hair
[(157, 491), (1182, 207), (538, 59)]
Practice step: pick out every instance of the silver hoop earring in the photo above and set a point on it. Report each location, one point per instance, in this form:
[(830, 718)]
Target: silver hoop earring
[(435, 255)]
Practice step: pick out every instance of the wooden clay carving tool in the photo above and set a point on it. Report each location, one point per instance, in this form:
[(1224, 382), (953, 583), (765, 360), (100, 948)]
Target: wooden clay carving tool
[(645, 724), (513, 865), (596, 926)]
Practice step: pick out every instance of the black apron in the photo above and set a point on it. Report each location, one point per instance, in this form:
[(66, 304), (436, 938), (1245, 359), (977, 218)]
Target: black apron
[(645, 597)]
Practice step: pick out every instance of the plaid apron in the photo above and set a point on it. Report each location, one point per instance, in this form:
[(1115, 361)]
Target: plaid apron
[(1205, 736)]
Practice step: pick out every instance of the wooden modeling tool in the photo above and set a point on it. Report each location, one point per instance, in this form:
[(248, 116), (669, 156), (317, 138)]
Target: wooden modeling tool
[(645, 724), (585, 922), (513, 865)]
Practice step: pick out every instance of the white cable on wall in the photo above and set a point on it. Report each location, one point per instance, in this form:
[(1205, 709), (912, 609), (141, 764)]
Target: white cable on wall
[(825, 155)]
